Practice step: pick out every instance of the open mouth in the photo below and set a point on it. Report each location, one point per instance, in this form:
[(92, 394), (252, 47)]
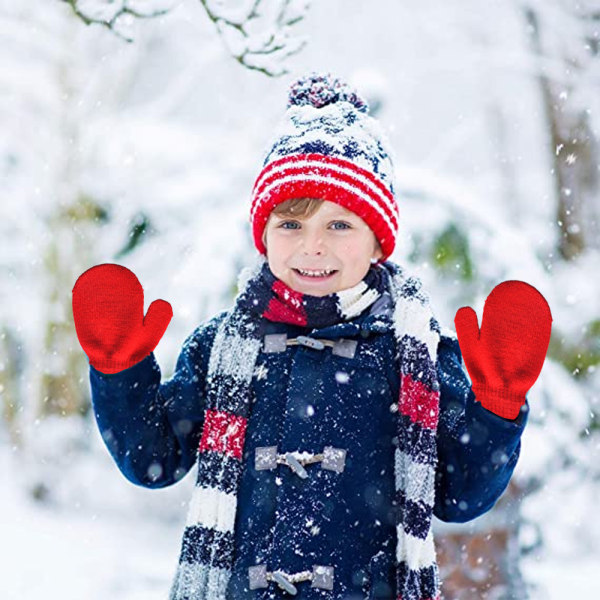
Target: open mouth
[(315, 275)]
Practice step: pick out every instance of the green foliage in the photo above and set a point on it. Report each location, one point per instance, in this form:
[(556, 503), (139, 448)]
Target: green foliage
[(139, 226), (86, 209), (580, 357), (451, 254)]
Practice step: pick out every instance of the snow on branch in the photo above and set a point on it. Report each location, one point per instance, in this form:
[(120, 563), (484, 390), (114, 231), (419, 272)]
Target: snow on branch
[(116, 15), (257, 33), (266, 49)]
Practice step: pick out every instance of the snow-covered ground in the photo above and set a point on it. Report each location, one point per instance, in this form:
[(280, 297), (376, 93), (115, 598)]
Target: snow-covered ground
[(557, 580), (74, 554), (96, 536)]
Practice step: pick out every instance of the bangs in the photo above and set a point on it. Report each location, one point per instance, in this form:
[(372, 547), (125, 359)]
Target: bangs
[(298, 207)]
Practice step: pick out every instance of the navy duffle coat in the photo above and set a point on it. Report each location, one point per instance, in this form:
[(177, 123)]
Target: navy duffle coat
[(303, 400)]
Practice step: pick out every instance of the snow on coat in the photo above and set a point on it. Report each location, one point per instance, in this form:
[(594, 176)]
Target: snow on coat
[(308, 401)]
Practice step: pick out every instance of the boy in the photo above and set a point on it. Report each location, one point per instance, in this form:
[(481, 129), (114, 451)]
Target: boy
[(329, 417)]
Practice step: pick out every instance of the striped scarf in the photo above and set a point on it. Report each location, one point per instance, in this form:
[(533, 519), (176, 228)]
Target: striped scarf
[(207, 548)]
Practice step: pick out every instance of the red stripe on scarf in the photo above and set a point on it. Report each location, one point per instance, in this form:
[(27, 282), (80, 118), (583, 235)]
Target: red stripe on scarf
[(288, 307), (223, 432), (418, 402)]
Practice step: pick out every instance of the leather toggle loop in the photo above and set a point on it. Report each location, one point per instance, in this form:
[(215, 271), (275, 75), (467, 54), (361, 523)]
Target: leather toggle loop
[(278, 342), (321, 577), (267, 458)]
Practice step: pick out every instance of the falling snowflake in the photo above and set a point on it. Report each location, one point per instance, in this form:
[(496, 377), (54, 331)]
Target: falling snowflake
[(342, 377), (261, 372)]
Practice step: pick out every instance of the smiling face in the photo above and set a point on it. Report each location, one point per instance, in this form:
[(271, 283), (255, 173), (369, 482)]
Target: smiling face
[(332, 238)]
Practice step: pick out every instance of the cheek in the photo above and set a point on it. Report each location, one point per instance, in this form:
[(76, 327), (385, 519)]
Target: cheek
[(270, 239), (277, 250), (353, 249), (274, 243)]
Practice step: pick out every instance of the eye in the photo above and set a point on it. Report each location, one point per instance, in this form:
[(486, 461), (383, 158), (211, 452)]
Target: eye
[(284, 223), (344, 225)]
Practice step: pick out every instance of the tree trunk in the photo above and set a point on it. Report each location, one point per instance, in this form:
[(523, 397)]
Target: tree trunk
[(11, 368), (574, 157), (71, 222)]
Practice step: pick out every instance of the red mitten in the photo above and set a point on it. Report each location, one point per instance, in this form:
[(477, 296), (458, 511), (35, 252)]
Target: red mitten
[(108, 309), (505, 358)]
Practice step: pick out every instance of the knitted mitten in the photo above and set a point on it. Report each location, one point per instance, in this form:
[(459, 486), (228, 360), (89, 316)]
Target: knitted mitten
[(505, 357), (108, 310)]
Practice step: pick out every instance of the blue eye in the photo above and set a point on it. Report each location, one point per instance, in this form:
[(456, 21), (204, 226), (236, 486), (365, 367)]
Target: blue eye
[(283, 225), (346, 226), (296, 225)]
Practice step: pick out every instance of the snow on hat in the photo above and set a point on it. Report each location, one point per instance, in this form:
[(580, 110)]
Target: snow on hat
[(328, 146)]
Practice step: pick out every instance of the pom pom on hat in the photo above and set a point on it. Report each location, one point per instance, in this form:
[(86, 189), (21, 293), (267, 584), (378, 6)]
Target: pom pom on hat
[(328, 146), (319, 90)]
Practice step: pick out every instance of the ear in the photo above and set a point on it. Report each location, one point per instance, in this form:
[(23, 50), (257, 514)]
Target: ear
[(377, 252)]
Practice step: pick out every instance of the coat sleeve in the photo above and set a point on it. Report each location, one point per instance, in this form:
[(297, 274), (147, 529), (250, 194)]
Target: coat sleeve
[(152, 429), (477, 450)]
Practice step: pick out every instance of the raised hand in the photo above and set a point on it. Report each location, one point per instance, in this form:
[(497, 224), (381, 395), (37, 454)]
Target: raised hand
[(108, 310), (505, 357)]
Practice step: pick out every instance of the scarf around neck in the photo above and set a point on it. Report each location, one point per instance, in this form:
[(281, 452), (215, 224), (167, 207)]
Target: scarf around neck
[(272, 299), (207, 548)]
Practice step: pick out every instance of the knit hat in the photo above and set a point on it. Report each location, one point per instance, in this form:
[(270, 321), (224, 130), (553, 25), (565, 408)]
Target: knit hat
[(327, 146)]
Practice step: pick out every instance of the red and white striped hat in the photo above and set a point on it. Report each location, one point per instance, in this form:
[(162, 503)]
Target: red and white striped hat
[(329, 147)]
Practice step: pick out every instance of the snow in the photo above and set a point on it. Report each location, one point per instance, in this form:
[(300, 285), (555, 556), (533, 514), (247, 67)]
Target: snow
[(556, 580), (172, 128), (342, 377), (88, 549)]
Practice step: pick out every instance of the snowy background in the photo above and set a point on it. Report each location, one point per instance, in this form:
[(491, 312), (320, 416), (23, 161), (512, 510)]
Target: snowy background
[(137, 140)]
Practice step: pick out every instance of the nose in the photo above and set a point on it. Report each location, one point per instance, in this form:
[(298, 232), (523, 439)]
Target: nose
[(312, 243)]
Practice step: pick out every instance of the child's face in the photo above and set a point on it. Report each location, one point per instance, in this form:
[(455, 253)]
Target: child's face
[(332, 238)]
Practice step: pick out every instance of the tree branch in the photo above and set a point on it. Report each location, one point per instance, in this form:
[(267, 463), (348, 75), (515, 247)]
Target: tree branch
[(271, 46), (112, 21)]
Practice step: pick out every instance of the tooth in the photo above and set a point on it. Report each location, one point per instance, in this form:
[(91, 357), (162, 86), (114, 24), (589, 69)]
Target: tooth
[(319, 273)]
